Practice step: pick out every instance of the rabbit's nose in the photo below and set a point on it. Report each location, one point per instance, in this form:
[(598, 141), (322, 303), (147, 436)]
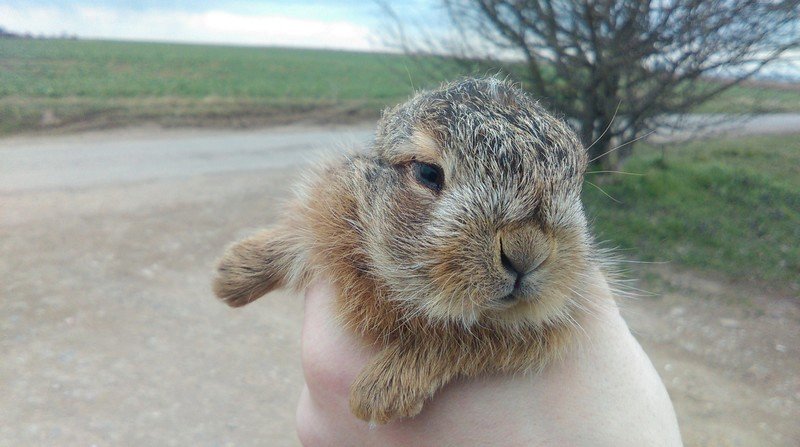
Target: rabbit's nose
[(512, 267), (523, 251), (519, 265)]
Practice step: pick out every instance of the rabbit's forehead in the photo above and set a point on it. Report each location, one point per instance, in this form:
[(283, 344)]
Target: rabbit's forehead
[(495, 150), (501, 138)]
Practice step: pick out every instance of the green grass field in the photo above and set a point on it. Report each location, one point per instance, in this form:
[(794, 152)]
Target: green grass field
[(172, 83), (59, 82), (730, 206), (97, 69)]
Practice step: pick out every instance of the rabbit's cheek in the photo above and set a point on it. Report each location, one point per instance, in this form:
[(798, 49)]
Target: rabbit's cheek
[(452, 309), (464, 262)]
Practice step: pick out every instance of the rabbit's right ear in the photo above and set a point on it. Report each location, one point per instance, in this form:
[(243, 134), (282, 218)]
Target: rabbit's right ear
[(255, 266)]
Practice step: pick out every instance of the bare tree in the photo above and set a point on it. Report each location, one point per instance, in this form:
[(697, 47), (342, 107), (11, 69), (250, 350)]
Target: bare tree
[(616, 67)]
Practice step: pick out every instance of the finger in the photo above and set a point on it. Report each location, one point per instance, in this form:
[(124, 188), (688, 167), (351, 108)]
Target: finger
[(332, 356)]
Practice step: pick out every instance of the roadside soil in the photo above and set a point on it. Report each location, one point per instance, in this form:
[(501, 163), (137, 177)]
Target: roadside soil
[(728, 352), (37, 116), (110, 334)]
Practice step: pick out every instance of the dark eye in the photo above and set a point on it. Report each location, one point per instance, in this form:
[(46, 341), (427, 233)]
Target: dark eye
[(428, 175)]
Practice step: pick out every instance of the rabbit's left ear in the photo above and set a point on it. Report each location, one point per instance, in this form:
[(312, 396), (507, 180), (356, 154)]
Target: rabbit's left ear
[(256, 266)]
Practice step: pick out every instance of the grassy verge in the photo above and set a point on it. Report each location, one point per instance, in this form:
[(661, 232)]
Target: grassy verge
[(730, 206), (78, 113), (752, 98)]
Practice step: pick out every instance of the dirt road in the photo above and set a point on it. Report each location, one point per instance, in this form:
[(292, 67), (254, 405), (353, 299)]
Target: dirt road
[(110, 335)]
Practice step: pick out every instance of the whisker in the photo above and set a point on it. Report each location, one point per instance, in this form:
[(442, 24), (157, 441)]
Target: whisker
[(623, 145), (615, 172), (631, 261), (607, 127), (601, 190)]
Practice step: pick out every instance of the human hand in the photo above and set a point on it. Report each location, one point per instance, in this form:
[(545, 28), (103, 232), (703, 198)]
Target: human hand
[(605, 392)]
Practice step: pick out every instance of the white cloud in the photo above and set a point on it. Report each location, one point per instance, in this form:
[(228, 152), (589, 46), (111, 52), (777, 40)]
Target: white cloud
[(211, 26), (280, 30)]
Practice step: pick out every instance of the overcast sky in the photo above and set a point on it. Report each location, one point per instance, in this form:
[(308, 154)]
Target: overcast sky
[(302, 23), (341, 24)]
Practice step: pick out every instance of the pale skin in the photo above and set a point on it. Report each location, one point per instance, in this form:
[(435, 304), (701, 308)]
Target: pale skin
[(605, 392)]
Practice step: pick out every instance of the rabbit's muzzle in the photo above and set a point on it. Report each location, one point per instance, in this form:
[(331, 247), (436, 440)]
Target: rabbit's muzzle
[(523, 252)]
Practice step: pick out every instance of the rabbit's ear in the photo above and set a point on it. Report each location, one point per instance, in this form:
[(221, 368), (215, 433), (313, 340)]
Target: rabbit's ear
[(255, 266)]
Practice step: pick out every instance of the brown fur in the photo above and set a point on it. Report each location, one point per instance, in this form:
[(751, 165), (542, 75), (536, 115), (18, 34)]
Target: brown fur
[(424, 274)]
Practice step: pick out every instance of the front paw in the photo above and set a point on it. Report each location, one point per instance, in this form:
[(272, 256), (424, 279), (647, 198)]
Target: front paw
[(381, 398)]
